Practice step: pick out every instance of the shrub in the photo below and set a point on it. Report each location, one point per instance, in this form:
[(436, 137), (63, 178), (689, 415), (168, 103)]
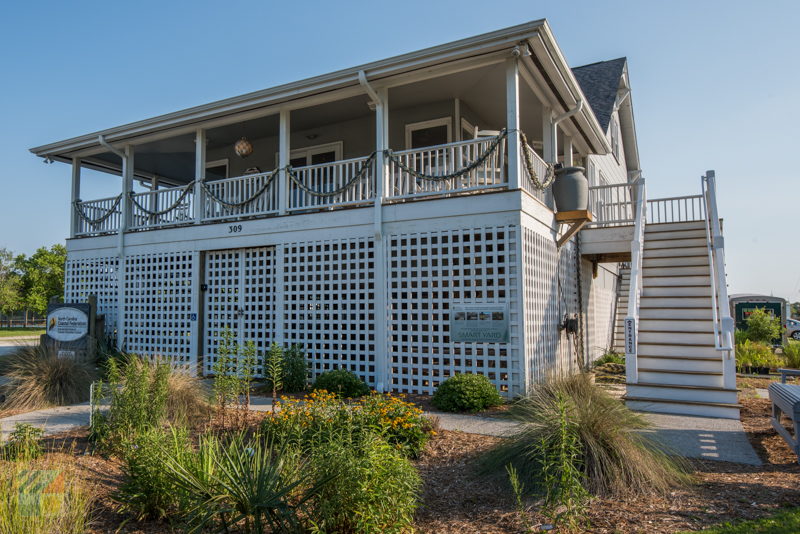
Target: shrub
[(368, 486), (295, 369), (739, 336), (341, 382), (39, 378), (615, 458), (466, 393), (610, 356), (65, 511), (322, 417), (753, 354), (763, 327), (23, 443), (791, 351)]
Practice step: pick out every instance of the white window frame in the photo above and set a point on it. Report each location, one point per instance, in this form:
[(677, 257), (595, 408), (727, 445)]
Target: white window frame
[(466, 126), (219, 163), (337, 147), (424, 125)]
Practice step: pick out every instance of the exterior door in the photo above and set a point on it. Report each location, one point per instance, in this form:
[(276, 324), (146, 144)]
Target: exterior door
[(239, 296)]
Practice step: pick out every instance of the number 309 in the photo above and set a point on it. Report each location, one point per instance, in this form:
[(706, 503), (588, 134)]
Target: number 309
[(234, 228)]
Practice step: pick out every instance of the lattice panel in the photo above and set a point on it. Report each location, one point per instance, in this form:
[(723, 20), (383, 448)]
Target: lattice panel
[(602, 299), (550, 292), (94, 276), (427, 273), (240, 296), (158, 302), (329, 303)]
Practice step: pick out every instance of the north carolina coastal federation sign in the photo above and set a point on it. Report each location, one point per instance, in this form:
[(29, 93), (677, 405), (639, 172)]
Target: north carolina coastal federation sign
[(487, 323), (67, 323)]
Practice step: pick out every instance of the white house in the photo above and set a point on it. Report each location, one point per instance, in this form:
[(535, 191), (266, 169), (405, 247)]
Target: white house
[(383, 214)]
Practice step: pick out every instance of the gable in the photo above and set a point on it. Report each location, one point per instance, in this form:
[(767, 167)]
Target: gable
[(600, 83)]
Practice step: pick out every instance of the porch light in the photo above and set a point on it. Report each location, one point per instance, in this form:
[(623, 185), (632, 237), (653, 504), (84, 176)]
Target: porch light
[(243, 147)]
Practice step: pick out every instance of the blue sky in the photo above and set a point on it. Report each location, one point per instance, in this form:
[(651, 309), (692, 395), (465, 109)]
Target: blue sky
[(715, 86)]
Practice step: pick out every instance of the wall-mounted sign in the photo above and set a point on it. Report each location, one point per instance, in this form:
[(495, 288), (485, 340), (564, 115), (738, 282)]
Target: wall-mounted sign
[(486, 323), (67, 323)]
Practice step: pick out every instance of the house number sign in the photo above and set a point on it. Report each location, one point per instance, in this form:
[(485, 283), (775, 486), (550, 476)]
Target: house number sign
[(486, 323)]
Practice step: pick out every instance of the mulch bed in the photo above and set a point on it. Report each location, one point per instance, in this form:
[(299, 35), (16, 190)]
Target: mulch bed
[(456, 500)]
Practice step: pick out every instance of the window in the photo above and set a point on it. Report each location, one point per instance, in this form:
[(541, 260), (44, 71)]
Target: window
[(315, 155), (429, 133), (217, 170), (468, 131)]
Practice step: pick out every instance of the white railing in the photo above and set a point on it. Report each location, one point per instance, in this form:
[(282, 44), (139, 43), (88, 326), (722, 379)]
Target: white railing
[(320, 184), (443, 160), (612, 205), (162, 207), (541, 169), (720, 310), (676, 209), (634, 294), (242, 196), (99, 216)]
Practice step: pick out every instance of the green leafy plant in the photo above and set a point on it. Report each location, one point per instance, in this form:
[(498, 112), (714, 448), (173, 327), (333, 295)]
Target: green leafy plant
[(274, 369), (226, 383), (295, 369), (518, 489), (791, 352), (39, 378), (752, 354), (23, 443), (610, 356), (466, 393), (763, 327), (616, 458), (739, 336), (341, 382)]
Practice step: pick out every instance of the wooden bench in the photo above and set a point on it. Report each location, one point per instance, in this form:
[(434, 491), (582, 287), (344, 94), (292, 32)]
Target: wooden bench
[(785, 400), (788, 372)]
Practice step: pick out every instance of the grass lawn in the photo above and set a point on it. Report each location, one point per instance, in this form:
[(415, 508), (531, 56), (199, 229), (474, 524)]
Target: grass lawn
[(17, 332), (786, 522)]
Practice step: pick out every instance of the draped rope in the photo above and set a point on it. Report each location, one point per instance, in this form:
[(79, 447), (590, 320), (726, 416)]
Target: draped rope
[(233, 205), (550, 175), (356, 177), (187, 188), (78, 205), (455, 174)]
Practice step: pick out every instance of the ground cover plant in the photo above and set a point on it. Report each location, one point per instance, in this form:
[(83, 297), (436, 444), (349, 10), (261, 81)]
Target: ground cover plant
[(785, 522), (754, 355), (791, 352), (341, 382), (23, 443), (39, 378), (610, 356), (466, 393)]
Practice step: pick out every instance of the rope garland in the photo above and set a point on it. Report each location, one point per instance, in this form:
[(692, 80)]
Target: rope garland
[(78, 205), (456, 174), (356, 177), (550, 176), (234, 205), (187, 188)]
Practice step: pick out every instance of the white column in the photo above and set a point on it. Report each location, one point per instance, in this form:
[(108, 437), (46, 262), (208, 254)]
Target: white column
[(567, 151), (548, 143), (383, 369), (199, 174), (74, 220), (512, 122), (128, 167), (127, 188), (284, 151)]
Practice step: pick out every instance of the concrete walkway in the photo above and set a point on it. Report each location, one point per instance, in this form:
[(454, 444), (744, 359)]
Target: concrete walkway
[(692, 437), (10, 344)]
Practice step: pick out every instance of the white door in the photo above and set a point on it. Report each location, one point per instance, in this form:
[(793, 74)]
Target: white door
[(239, 296)]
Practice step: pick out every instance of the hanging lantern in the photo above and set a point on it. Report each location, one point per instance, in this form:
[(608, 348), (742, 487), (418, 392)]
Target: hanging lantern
[(243, 147)]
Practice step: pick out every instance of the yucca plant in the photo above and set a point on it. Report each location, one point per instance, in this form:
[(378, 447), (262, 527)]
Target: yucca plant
[(615, 458), (39, 378)]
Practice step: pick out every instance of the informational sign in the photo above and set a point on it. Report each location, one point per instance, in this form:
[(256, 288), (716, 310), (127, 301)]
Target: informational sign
[(67, 354), (67, 323), (630, 335), (486, 323)]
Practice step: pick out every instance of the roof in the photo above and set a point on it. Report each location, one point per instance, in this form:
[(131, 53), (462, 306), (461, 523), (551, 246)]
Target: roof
[(600, 83), (755, 298)]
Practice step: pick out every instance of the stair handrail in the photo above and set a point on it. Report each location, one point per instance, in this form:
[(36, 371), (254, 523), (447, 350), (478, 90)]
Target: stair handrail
[(635, 291), (720, 308)]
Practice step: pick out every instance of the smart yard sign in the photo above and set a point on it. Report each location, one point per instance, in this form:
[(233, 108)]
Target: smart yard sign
[(486, 323)]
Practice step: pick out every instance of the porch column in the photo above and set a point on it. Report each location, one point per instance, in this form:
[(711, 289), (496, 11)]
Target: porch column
[(199, 174), (127, 188), (567, 151), (124, 223), (154, 198), (548, 143), (284, 149), (512, 122), (74, 220), (383, 369)]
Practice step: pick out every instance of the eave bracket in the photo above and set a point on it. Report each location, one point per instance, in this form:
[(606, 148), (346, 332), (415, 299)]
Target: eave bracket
[(576, 220)]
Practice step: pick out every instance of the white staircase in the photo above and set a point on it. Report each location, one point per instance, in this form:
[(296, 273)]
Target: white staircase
[(677, 330), (622, 308)]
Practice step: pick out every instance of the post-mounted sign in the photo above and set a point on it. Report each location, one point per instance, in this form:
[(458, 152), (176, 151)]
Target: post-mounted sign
[(486, 323), (630, 335), (68, 323)]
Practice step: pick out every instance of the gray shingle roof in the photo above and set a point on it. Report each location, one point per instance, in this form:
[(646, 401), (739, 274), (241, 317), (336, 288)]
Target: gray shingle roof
[(600, 82)]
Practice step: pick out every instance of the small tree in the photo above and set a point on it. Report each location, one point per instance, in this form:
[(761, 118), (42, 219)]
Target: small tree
[(273, 370), (763, 327), (42, 276), (10, 284)]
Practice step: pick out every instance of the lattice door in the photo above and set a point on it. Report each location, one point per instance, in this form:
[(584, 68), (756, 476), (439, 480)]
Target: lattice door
[(240, 297)]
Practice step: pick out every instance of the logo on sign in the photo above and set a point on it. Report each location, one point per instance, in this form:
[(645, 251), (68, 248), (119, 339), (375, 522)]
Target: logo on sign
[(67, 324)]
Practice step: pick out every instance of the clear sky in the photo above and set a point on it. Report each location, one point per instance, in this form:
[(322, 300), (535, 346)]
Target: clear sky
[(715, 86)]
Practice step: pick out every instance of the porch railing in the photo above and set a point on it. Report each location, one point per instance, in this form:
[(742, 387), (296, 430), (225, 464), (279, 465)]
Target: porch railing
[(545, 195), (341, 183), (423, 172), (96, 217), (676, 209), (631, 330), (612, 205), (162, 207), (242, 196)]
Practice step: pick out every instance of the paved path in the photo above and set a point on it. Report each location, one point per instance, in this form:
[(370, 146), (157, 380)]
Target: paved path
[(10, 344), (692, 437)]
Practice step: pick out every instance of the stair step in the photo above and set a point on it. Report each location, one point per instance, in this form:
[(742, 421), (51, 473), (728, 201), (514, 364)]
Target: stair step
[(666, 363), (652, 242), (682, 252), (676, 325), (678, 338), (699, 409), (685, 233), (681, 393), (663, 280), (672, 227), (678, 349), (673, 312), (676, 261), (677, 270), (671, 377), (677, 291), (675, 302)]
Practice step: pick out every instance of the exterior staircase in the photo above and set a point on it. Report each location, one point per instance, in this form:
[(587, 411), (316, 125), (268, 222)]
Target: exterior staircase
[(623, 289), (677, 333)]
